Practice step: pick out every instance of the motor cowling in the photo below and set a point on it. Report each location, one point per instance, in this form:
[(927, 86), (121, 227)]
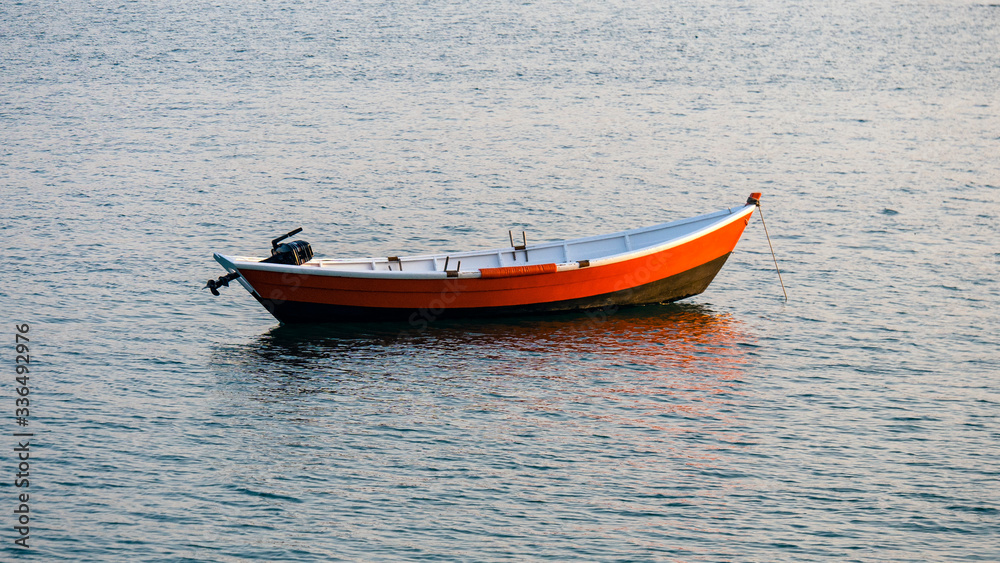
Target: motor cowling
[(295, 253)]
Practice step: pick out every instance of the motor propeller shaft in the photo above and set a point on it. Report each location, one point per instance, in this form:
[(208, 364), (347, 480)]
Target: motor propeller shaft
[(223, 281)]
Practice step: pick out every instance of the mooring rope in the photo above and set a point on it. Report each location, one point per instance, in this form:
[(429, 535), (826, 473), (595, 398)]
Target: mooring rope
[(772, 250)]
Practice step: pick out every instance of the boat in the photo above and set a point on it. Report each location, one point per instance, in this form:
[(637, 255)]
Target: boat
[(657, 264)]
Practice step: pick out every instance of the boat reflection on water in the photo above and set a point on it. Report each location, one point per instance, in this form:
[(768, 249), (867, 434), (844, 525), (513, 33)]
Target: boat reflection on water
[(657, 388), (693, 338), (634, 416), (681, 360)]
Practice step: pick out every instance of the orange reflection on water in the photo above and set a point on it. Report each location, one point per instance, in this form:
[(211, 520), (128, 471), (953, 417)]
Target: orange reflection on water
[(666, 344), (656, 338), (662, 372), (674, 370)]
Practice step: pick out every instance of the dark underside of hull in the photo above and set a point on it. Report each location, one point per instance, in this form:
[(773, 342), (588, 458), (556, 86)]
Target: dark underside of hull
[(679, 286)]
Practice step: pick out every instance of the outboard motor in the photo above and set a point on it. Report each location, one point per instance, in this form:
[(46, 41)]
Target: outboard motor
[(296, 252)]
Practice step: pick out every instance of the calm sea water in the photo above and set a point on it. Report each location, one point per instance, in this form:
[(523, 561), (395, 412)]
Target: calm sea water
[(856, 422)]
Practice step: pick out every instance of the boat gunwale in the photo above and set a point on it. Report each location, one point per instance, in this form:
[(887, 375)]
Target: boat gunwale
[(726, 216)]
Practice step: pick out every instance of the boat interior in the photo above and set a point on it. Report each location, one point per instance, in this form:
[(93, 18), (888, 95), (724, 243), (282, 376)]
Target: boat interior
[(560, 252)]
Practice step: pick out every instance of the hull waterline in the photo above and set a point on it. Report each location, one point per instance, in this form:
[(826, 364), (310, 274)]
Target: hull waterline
[(673, 288)]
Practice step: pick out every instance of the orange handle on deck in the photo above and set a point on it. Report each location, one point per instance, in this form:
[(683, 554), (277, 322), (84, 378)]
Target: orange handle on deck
[(513, 271)]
